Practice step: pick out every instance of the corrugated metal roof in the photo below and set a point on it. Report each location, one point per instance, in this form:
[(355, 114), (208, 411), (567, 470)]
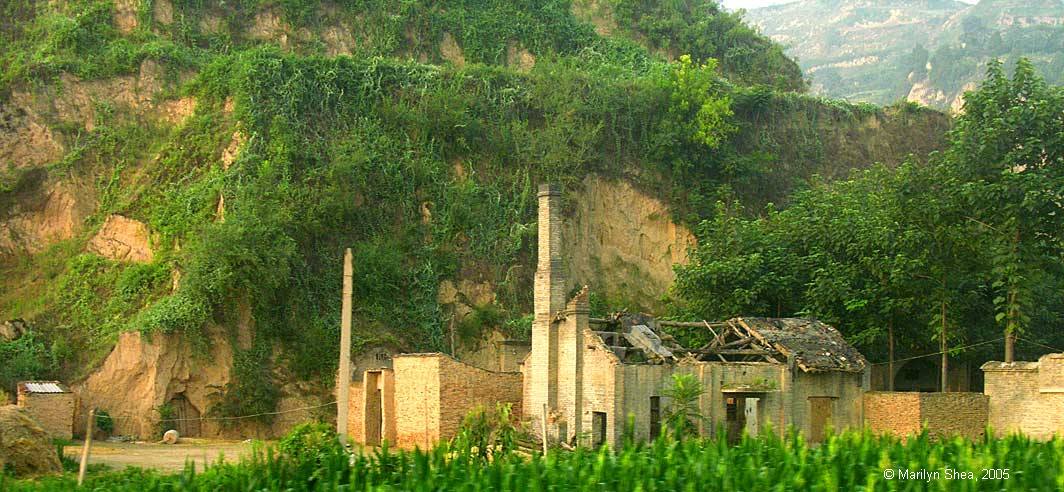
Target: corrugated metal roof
[(43, 387)]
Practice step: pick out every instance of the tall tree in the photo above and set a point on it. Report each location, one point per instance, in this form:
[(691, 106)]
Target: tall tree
[(1008, 149)]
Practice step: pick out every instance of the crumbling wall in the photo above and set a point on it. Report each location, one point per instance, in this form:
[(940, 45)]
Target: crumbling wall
[(1027, 397), (944, 414), (603, 389), (846, 389), (762, 380)]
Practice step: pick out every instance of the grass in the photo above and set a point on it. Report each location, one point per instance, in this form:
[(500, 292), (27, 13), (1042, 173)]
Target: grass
[(850, 461)]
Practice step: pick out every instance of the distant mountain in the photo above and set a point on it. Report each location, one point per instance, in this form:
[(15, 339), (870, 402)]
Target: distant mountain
[(929, 51)]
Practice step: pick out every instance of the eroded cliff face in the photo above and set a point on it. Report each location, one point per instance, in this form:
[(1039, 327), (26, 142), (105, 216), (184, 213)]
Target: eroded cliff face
[(623, 243), (144, 373)]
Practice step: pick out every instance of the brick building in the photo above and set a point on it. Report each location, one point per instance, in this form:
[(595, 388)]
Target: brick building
[(1027, 397), (588, 377), (51, 404)]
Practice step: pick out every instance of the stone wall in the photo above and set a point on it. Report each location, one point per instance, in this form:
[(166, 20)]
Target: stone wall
[(53, 411), (944, 414), (1027, 397)]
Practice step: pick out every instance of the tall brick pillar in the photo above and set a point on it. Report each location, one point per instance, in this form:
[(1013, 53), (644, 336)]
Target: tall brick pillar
[(542, 369)]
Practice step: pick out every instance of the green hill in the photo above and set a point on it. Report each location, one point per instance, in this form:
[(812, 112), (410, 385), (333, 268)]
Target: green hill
[(197, 168)]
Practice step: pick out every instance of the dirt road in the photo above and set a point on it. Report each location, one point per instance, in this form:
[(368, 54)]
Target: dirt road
[(166, 457)]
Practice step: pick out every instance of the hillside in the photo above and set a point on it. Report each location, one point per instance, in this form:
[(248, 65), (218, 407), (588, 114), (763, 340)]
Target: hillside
[(190, 173), (927, 51)]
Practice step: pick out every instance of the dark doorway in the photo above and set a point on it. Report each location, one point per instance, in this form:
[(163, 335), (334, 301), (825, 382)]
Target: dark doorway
[(655, 417), (186, 417), (374, 422), (734, 417), (598, 428), (821, 409)]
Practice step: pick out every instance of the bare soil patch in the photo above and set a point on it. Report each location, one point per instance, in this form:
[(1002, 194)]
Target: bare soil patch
[(166, 457)]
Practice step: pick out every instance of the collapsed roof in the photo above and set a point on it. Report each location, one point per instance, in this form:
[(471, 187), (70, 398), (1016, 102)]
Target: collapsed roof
[(814, 346)]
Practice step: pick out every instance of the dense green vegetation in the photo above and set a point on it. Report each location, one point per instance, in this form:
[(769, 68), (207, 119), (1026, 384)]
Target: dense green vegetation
[(957, 251), (851, 461), (426, 171)]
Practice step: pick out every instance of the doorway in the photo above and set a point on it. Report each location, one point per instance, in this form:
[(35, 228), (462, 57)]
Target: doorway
[(373, 416), (186, 417), (598, 428), (821, 409)]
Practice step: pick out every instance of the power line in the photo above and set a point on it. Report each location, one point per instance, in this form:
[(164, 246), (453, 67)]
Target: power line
[(128, 418), (1032, 342), (940, 351)]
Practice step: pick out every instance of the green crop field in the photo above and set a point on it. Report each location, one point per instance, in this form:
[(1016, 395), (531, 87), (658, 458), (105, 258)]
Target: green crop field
[(850, 461)]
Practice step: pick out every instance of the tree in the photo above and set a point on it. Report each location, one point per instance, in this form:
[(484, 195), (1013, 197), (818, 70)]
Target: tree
[(1008, 149)]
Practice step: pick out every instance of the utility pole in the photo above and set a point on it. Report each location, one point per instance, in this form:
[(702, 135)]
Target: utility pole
[(89, 428), (343, 379)]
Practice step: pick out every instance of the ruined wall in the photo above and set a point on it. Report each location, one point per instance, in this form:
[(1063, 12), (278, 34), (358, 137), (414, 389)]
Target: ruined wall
[(602, 389), (639, 382), (955, 414), (894, 412), (53, 411), (846, 390), (722, 380), (1027, 397), (944, 414), (355, 401)]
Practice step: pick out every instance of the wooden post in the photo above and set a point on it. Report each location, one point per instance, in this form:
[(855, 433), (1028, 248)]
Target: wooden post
[(543, 426), (945, 352), (890, 354), (89, 427), (343, 379)]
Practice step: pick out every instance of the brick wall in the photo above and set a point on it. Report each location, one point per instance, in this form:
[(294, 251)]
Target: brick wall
[(463, 388), (354, 412), (54, 411), (417, 400), (944, 414), (895, 413), (1027, 397), (434, 392)]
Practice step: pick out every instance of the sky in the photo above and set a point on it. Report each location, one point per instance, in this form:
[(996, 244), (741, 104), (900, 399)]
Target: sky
[(753, 4)]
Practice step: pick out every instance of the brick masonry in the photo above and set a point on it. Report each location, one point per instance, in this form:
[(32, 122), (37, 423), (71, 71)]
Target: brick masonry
[(1027, 397), (944, 414), (434, 392), (54, 411)]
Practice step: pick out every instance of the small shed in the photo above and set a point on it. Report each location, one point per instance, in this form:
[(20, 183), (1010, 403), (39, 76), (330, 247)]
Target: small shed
[(51, 404)]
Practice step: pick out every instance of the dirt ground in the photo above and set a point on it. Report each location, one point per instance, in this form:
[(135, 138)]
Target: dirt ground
[(166, 457)]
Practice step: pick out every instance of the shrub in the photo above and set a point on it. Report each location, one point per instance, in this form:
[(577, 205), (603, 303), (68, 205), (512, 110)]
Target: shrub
[(311, 442)]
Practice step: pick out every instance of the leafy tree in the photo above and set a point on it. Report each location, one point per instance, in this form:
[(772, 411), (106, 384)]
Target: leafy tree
[(1008, 148)]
